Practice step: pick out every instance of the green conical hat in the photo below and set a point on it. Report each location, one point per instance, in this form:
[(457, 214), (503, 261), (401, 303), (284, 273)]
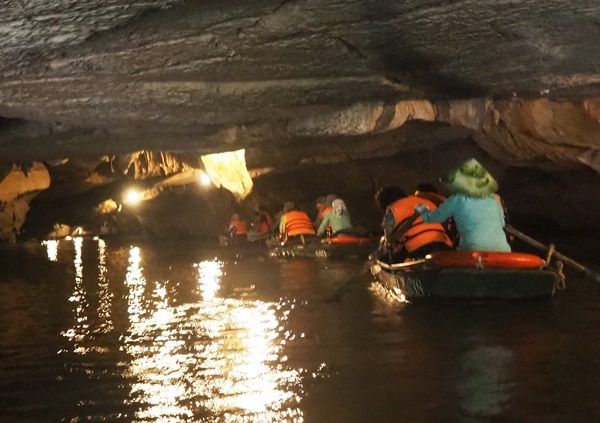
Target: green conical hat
[(471, 178)]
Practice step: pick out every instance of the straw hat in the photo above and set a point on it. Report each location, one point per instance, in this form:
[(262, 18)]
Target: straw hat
[(472, 179)]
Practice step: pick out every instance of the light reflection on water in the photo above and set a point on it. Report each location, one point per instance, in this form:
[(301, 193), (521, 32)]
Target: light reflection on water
[(215, 356), (51, 248), (80, 329)]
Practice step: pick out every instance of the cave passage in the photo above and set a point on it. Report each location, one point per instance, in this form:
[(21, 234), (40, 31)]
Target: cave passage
[(151, 152)]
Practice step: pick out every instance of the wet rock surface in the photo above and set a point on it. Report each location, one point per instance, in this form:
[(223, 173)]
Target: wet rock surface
[(114, 77)]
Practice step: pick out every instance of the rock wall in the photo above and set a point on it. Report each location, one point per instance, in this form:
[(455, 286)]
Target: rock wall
[(17, 189)]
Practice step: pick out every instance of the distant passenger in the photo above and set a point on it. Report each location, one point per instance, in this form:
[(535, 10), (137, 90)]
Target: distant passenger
[(421, 238), (238, 228), (336, 221), (322, 209), (261, 227), (294, 224), (476, 210)]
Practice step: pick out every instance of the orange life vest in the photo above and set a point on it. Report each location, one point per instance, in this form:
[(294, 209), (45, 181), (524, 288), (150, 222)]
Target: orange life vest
[(324, 211), (238, 227), (298, 223), (420, 233), (266, 221)]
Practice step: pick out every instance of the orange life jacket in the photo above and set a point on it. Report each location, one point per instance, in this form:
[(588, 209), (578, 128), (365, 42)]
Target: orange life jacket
[(420, 233), (266, 221), (238, 227), (298, 223), (324, 211)]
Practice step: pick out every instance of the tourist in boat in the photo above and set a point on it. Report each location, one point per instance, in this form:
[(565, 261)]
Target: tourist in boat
[(420, 239), (294, 223), (476, 210), (322, 209), (336, 221), (237, 228), (261, 227)]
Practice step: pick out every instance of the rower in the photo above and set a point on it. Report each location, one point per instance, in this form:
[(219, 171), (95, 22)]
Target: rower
[(294, 224), (421, 238)]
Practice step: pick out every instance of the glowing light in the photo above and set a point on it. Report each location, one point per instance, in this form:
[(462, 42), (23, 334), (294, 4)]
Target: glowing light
[(51, 249), (204, 179), (132, 197)]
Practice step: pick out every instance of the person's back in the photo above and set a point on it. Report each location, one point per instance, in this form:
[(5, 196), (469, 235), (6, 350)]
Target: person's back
[(480, 223), (338, 219), (477, 213), (421, 235)]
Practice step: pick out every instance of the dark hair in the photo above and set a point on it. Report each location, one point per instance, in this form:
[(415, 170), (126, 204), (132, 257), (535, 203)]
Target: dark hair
[(426, 187), (387, 195), (263, 209)]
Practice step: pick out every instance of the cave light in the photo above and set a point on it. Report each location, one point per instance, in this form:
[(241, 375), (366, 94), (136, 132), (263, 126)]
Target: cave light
[(204, 179), (132, 197)]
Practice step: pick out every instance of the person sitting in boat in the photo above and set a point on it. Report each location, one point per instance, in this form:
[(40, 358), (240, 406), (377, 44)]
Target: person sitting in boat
[(237, 228), (421, 238), (261, 227), (477, 212), (429, 192), (322, 209), (294, 224), (336, 221)]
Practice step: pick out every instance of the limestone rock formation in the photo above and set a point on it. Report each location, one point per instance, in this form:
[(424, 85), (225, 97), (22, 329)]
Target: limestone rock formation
[(17, 189)]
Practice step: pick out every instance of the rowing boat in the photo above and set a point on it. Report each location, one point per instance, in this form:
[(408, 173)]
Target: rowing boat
[(356, 247), (504, 276)]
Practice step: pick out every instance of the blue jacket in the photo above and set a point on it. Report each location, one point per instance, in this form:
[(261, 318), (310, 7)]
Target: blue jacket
[(479, 221)]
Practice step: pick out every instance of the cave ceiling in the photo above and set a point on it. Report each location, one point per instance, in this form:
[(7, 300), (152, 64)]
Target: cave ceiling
[(113, 76)]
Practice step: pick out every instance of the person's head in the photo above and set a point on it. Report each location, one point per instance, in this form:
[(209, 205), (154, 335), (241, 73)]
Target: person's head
[(387, 195), (289, 206), (329, 199), (320, 203), (426, 187), (338, 207), (262, 209), (235, 217), (471, 179)]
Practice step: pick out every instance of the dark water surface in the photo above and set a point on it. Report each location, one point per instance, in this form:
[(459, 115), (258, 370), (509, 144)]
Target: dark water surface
[(173, 332)]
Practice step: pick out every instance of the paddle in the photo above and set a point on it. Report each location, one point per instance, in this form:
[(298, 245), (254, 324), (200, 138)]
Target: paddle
[(595, 276), (396, 234)]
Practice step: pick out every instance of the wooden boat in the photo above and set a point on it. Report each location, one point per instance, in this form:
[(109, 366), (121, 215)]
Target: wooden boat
[(340, 246), (470, 275)]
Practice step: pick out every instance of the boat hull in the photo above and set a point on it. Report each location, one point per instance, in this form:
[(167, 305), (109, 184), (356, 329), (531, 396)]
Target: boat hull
[(467, 283), (320, 250)]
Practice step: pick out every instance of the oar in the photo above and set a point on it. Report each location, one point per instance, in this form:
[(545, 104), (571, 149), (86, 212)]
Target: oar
[(397, 233), (595, 276)]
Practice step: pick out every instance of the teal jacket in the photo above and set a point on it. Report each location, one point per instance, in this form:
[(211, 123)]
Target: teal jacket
[(337, 223), (479, 221)]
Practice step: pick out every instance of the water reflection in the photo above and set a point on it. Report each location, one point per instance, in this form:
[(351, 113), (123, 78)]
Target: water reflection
[(104, 293), (51, 249), (484, 384), (214, 357), (80, 329)]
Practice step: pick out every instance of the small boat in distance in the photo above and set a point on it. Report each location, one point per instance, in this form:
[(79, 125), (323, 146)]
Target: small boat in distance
[(470, 275), (339, 246)]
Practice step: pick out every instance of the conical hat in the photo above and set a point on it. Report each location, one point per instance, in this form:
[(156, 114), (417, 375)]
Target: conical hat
[(471, 178)]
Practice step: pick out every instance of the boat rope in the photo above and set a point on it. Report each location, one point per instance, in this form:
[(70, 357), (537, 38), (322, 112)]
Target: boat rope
[(561, 275), (551, 249)]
